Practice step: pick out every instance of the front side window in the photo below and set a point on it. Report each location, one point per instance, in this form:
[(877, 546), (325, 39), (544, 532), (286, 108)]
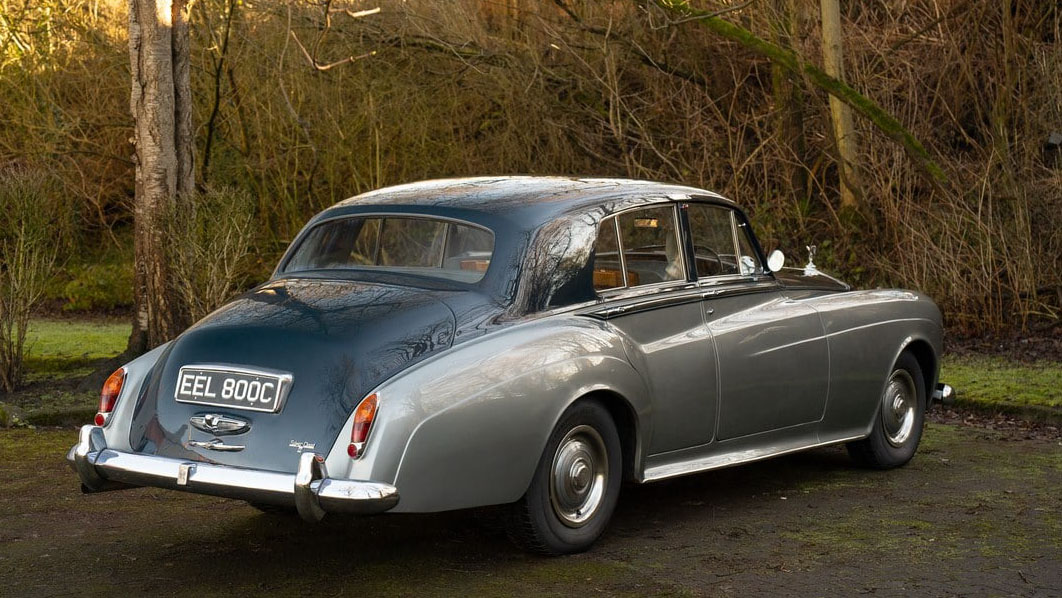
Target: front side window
[(404, 244), (750, 260), (721, 246), (714, 250), (637, 248)]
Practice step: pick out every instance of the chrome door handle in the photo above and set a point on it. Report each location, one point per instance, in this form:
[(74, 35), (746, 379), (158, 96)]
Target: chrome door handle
[(709, 310)]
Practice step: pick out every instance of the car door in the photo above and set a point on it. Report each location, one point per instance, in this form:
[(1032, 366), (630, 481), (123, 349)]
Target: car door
[(772, 355), (641, 273)]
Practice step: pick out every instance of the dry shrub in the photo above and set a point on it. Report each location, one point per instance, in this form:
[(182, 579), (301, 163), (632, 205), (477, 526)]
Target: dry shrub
[(32, 232), (64, 101), (209, 241), (604, 88)]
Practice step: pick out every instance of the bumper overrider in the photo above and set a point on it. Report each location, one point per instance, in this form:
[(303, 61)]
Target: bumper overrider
[(944, 395), (310, 489)]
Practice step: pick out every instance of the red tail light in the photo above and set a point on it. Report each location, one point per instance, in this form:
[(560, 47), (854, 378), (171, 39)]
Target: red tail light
[(363, 417), (109, 396)]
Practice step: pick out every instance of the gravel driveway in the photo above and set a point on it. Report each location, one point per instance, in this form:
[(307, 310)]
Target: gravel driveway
[(978, 512)]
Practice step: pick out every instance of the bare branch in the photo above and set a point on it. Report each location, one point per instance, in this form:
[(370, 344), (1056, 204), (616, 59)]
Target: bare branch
[(326, 66), (356, 14)]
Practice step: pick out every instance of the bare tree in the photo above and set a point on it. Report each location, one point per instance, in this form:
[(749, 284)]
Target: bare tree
[(165, 170), (840, 113)]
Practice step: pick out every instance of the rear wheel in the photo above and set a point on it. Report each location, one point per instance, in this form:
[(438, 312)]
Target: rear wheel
[(575, 487), (898, 426)]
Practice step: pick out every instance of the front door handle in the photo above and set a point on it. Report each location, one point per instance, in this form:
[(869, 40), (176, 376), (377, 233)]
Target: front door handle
[(709, 310)]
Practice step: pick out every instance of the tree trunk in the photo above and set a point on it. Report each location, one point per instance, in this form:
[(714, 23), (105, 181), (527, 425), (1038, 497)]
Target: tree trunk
[(161, 106), (788, 98), (840, 114)]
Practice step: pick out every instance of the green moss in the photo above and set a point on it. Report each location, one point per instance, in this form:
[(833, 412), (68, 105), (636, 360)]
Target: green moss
[(996, 382), (19, 446)]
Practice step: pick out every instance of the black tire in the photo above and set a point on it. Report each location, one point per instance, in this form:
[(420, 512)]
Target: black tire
[(551, 520), (898, 419)]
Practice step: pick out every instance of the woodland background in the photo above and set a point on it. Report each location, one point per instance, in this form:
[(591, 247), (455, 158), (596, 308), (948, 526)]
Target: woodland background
[(301, 104)]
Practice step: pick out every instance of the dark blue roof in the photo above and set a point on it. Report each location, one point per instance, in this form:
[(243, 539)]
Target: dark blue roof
[(530, 200), (539, 224)]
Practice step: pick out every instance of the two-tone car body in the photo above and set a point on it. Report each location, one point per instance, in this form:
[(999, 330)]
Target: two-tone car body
[(526, 340)]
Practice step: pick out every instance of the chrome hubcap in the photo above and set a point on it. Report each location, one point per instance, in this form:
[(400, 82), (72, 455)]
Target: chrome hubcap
[(578, 476), (898, 408)]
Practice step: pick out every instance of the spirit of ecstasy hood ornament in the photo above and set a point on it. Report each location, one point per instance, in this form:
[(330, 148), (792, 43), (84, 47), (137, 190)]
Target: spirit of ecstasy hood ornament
[(810, 269)]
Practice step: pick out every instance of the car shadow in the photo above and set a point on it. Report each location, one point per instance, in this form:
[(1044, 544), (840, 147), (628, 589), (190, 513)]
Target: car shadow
[(245, 544)]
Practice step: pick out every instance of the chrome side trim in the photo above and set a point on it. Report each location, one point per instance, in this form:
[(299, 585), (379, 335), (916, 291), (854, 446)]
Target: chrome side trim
[(697, 465), (310, 491)]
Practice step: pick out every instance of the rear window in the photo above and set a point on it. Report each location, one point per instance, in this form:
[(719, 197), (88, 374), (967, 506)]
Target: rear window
[(405, 244)]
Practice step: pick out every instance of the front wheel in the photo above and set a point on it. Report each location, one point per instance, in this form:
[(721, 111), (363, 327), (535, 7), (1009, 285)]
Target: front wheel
[(898, 426), (575, 487)]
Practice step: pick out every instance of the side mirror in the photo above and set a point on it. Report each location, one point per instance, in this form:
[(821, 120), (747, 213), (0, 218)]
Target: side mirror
[(775, 261)]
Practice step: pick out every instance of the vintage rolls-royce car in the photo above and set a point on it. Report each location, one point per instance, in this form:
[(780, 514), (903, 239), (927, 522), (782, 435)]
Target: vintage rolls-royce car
[(531, 341)]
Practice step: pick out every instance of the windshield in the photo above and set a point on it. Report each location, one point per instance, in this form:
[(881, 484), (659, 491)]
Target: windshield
[(406, 244)]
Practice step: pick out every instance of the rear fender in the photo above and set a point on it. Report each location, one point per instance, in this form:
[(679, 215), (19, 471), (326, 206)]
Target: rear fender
[(137, 373), (467, 428)]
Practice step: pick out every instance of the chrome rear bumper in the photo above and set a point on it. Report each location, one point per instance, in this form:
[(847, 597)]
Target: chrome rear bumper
[(310, 490)]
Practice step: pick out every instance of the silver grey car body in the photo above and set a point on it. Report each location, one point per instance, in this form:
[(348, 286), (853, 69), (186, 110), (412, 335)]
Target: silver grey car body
[(698, 372)]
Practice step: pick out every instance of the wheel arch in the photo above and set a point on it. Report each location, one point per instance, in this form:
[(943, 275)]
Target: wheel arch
[(627, 424), (928, 362)]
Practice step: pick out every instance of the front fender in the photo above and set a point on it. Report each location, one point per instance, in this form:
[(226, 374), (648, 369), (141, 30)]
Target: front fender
[(467, 428), (867, 331)]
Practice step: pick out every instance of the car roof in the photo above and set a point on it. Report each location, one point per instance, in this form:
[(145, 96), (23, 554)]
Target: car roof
[(522, 198)]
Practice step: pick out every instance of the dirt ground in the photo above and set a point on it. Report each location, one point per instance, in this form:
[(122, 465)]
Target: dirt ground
[(977, 513)]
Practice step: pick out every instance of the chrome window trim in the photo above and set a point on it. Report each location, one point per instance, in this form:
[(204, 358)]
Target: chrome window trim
[(734, 240), (619, 249)]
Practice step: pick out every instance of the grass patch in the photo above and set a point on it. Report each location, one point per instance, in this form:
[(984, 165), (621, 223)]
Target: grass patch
[(67, 348), (59, 354), (999, 384)]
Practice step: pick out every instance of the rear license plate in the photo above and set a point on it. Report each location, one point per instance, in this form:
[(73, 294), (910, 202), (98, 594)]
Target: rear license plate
[(230, 386)]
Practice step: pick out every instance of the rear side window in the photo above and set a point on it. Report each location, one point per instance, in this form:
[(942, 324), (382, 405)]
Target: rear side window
[(413, 245), (637, 248)]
